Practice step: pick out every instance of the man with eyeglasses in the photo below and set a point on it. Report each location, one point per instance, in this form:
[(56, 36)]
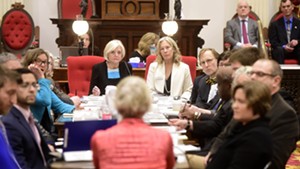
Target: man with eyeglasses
[(29, 147), (204, 92), (284, 34)]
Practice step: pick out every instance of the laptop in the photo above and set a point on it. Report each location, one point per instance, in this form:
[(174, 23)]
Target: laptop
[(66, 51), (77, 138)]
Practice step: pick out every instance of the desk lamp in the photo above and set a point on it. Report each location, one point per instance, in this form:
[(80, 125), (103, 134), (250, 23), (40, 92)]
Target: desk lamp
[(80, 27)]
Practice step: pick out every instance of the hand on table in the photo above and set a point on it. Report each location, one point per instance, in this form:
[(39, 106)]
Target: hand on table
[(96, 91), (178, 123)]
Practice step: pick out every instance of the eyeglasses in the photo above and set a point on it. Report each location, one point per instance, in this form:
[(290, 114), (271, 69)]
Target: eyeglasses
[(28, 85), (40, 62), (261, 74), (208, 61)]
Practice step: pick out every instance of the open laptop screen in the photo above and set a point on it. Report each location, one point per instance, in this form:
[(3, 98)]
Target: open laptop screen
[(66, 51), (78, 134)]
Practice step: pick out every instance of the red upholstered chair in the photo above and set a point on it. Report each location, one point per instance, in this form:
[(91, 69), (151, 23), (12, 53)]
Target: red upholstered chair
[(17, 29), (189, 60), (149, 60), (68, 9), (192, 62), (80, 72)]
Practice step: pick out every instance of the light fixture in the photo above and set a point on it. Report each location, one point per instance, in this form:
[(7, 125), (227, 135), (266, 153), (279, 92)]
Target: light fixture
[(169, 27), (80, 26)]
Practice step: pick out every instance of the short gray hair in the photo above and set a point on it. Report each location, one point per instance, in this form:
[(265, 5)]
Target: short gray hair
[(133, 97), (6, 56)]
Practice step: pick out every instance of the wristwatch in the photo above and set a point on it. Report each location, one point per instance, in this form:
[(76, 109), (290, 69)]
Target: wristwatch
[(188, 125), (197, 115)]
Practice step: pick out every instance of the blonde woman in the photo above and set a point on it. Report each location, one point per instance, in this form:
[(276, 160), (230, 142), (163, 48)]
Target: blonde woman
[(112, 70), (168, 75), (132, 143), (143, 50)]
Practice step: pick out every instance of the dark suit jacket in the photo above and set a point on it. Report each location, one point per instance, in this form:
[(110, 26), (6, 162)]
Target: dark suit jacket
[(247, 147), (277, 32), (284, 129), (99, 76), (22, 141), (206, 130), (200, 93), (233, 32)]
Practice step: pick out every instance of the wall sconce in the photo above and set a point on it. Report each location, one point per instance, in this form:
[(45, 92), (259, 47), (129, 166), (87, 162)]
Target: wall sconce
[(80, 27), (169, 27)]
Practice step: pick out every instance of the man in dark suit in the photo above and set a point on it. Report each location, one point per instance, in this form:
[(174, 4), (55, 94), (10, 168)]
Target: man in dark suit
[(8, 87), (29, 147), (284, 34), (242, 31)]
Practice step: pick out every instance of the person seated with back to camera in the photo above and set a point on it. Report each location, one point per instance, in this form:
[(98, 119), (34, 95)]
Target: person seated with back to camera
[(132, 143), (88, 43), (112, 70), (145, 44), (37, 60), (168, 75)]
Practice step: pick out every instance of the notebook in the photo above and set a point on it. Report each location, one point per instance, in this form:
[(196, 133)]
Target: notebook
[(66, 51), (77, 138)]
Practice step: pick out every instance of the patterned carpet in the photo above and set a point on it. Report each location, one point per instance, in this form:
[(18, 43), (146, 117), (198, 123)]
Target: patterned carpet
[(294, 161)]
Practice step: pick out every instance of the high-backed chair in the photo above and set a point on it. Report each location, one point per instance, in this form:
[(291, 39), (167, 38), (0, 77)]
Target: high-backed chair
[(189, 60), (17, 29), (80, 72), (68, 9)]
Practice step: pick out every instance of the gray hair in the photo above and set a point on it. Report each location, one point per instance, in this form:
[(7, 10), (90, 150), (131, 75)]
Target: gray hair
[(6, 56)]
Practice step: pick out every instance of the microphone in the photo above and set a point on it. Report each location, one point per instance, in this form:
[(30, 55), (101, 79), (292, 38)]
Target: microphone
[(127, 68)]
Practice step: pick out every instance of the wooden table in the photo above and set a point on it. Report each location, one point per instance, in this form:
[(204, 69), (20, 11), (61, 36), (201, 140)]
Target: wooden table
[(61, 76)]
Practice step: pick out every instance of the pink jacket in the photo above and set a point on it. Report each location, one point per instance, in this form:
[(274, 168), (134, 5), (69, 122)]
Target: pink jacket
[(132, 144)]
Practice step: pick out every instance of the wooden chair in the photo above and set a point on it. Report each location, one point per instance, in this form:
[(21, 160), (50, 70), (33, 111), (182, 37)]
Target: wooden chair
[(17, 31), (80, 72)]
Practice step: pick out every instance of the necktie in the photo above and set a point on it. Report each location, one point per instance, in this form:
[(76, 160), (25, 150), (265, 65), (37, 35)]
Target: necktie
[(244, 31), (211, 81), (288, 30), (36, 135)]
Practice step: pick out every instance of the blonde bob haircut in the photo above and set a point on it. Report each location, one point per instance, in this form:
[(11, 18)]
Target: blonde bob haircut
[(133, 97), (176, 51), (146, 41), (112, 45)]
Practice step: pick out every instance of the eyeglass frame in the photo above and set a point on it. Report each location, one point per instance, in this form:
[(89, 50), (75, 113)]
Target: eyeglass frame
[(28, 85), (261, 74), (40, 62)]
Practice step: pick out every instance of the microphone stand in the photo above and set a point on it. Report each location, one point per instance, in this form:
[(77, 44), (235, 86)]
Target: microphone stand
[(80, 46)]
